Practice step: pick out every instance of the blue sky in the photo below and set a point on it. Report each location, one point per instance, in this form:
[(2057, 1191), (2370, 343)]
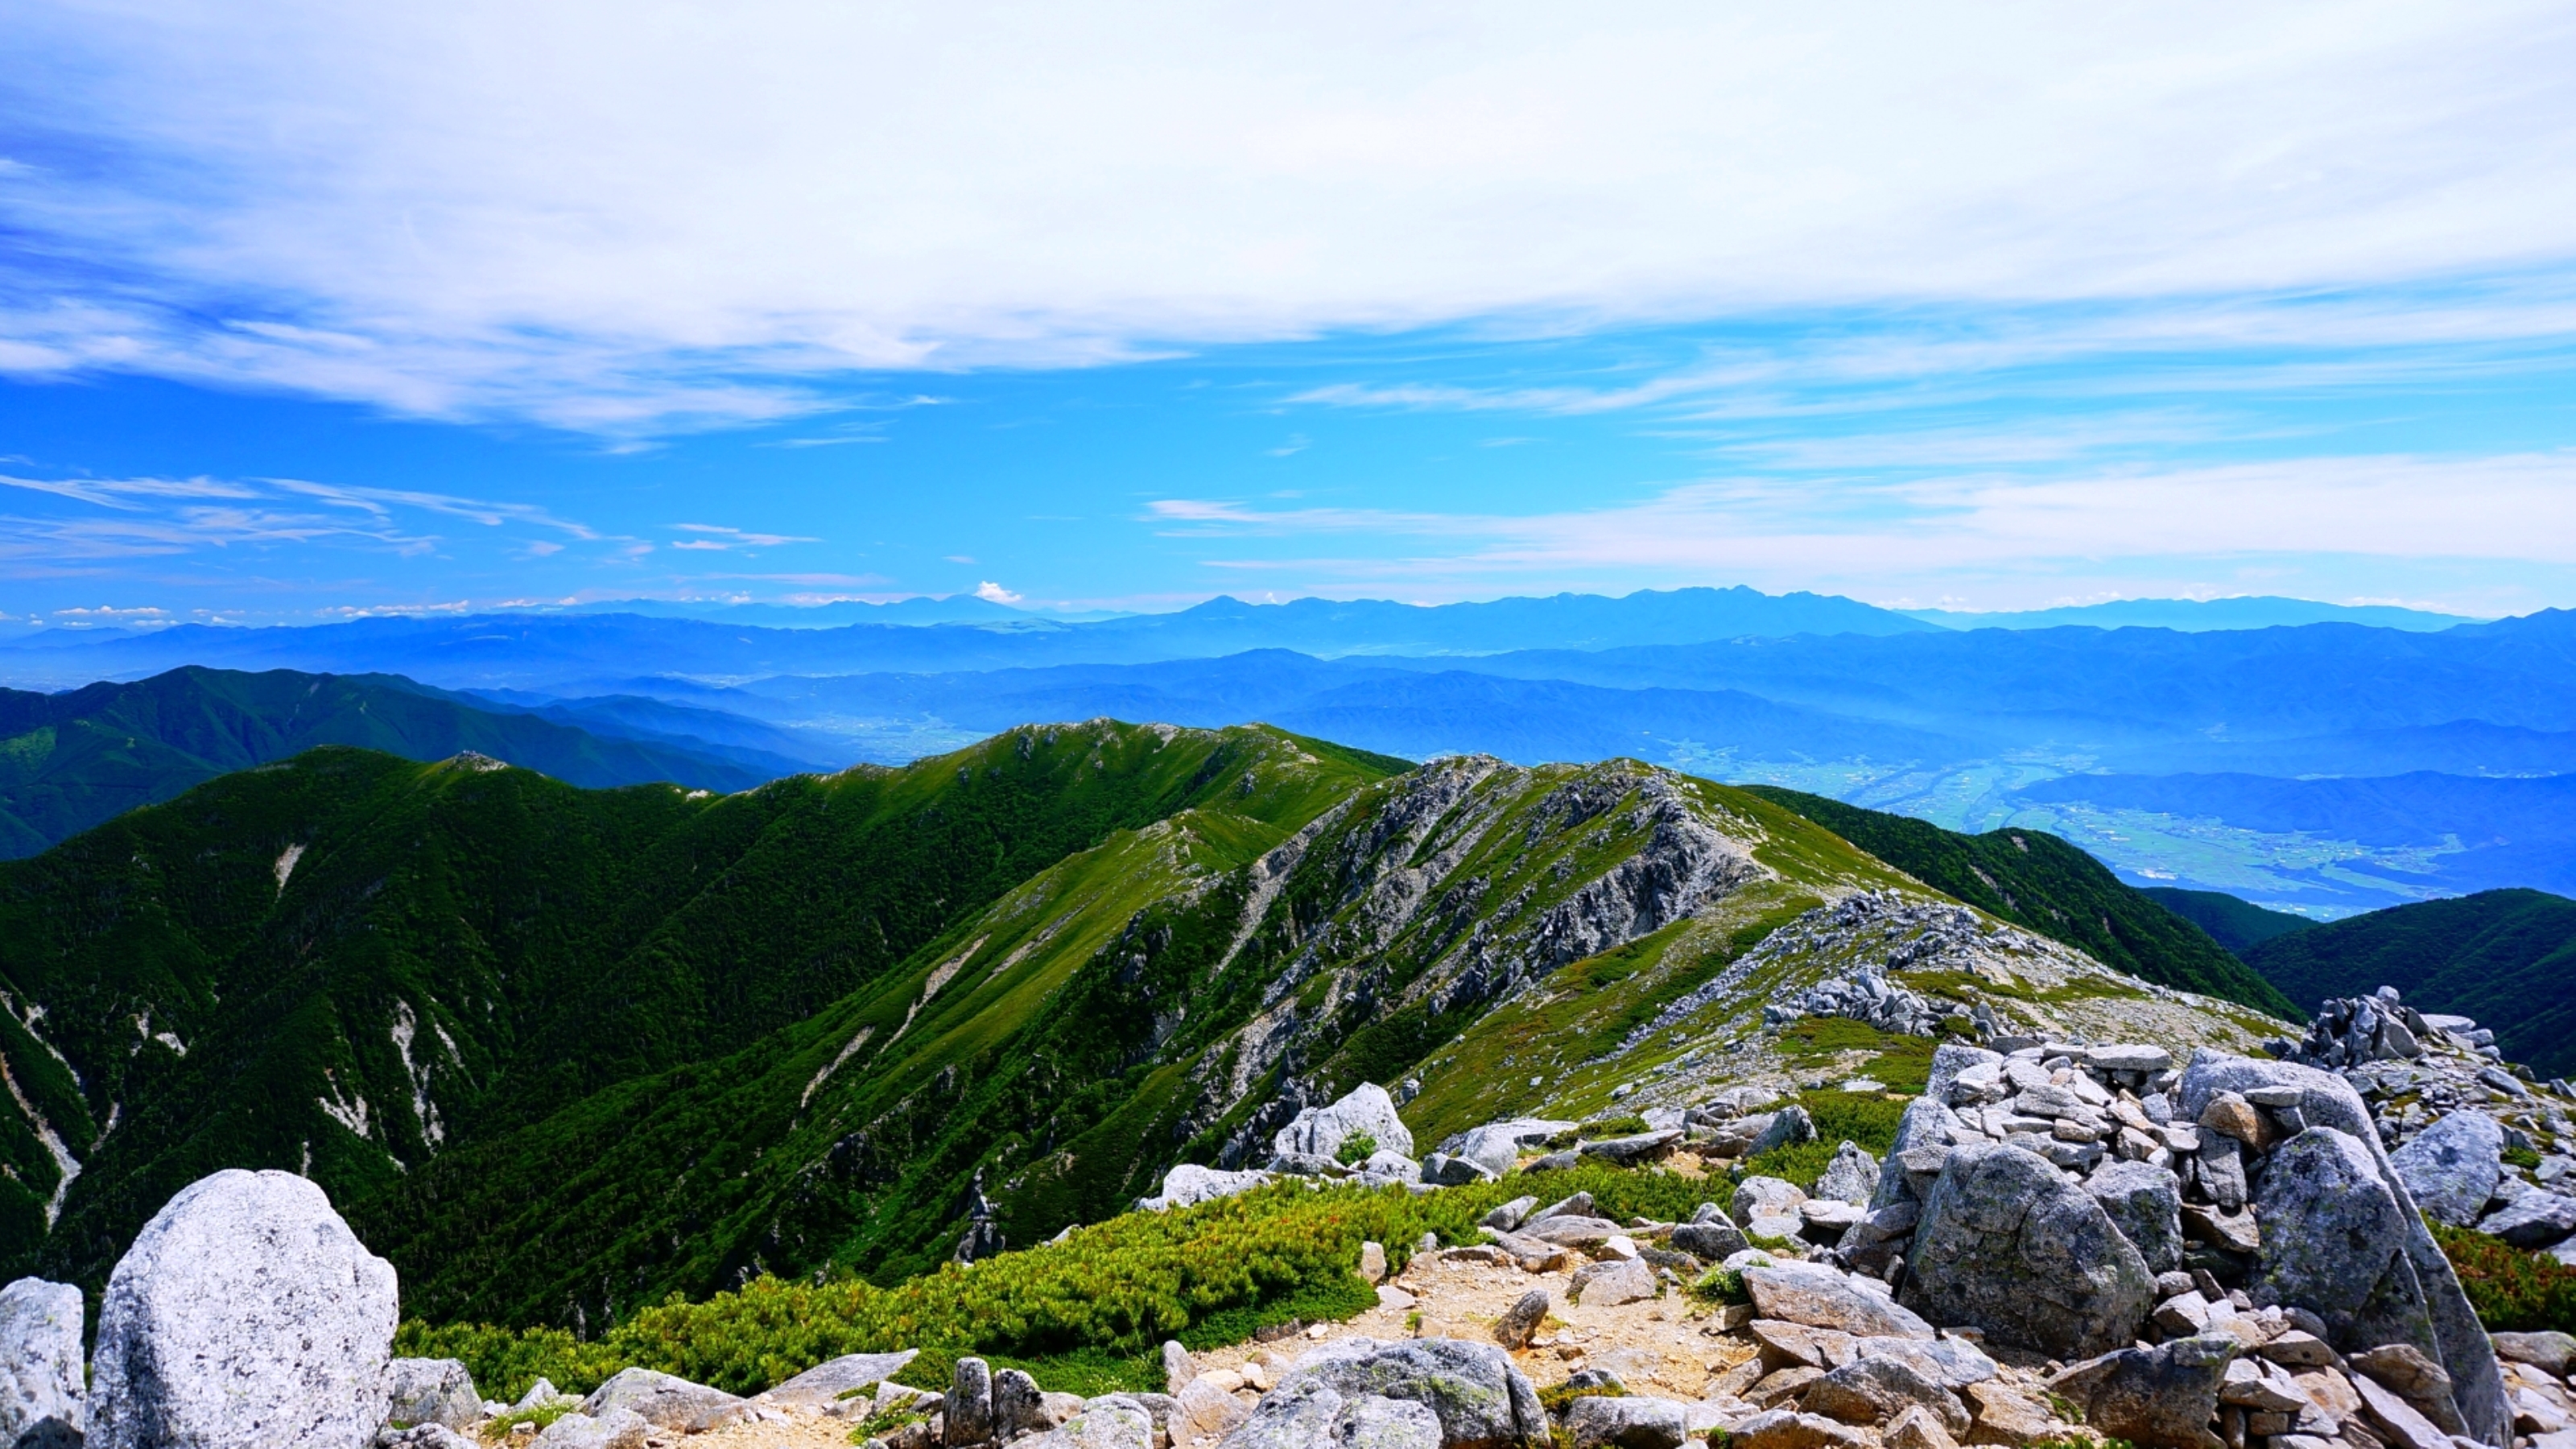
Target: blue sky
[(306, 312)]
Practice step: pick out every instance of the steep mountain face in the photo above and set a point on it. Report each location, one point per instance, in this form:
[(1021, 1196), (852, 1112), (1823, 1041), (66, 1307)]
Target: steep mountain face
[(2506, 958), (2041, 883), (2239, 925), (562, 1053), (70, 761)]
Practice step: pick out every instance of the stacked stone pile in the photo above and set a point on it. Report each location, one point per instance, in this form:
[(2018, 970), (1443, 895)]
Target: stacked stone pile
[(2456, 1116)]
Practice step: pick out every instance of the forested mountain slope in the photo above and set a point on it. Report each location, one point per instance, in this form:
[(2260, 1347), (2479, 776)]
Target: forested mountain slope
[(2506, 958), (561, 1053), (69, 761), (2231, 921)]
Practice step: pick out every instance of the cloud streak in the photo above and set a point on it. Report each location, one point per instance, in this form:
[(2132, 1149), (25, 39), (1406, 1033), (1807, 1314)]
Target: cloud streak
[(484, 210)]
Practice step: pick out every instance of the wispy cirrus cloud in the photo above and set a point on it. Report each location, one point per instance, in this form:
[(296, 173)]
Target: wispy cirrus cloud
[(715, 538)]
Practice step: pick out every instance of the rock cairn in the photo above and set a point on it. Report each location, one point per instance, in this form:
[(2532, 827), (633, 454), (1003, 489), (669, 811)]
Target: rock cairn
[(2478, 1142)]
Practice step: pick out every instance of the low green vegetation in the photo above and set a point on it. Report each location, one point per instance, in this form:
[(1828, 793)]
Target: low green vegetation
[(2513, 1289), (1866, 1119), (1720, 1288), (1357, 1148), (1084, 1315)]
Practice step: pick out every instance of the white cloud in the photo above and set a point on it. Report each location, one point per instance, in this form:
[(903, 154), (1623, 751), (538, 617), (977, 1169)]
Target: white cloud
[(993, 593), (611, 220), (715, 537)]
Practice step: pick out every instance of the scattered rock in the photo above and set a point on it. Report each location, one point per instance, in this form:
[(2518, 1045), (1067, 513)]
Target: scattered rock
[(1870, 1390), (2007, 1246), (1482, 1402), (1917, 1428), (1784, 1429), (663, 1401), (2404, 1425), (1629, 1423), (1373, 1262), (1203, 1410), (2451, 1167), (2405, 1368), (1851, 1177), (1631, 1151), (1788, 1127), (426, 1391), (1765, 1197), (827, 1381), (1572, 1232), (1510, 1215), (1112, 1421), (1999, 1415), (1606, 1285), (1822, 1298), (1709, 1241), (1522, 1319), (2534, 1220), (42, 1383), (245, 1315), (1019, 1406), (2165, 1395), (2550, 1352), (1190, 1184), (620, 1429), (967, 1411)]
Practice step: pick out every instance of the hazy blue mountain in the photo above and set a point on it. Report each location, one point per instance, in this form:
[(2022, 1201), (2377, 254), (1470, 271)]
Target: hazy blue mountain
[(621, 716), (70, 761), (2488, 832), (2459, 747), (2504, 957), (2194, 615), (2235, 923)]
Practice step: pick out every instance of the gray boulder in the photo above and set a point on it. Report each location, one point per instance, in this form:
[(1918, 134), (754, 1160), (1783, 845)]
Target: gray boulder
[(245, 1315), (2536, 1219), (1509, 1216), (1765, 1197), (1713, 1241), (1019, 1405), (1496, 1146), (1609, 1284), (2006, 1245), (1629, 1423), (1190, 1184), (1871, 1390), (2451, 1167), (2145, 1204), (662, 1400), (1522, 1319), (2326, 1100), (1365, 1110), (40, 1361), (2334, 1243), (1481, 1401), (1631, 1151), (418, 1436), (1819, 1297), (618, 1429), (1851, 1177), (966, 1414), (431, 1391), (1788, 1127), (2163, 1396), (1112, 1421), (2550, 1351), (1442, 1170), (1312, 1414), (826, 1382)]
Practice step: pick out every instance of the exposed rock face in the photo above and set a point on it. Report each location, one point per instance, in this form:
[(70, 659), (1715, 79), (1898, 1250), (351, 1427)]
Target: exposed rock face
[(1851, 1177), (2334, 1243), (1865, 996), (2162, 1396), (2451, 1167), (41, 1382), (431, 1391), (2145, 1203), (2008, 1246), (1481, 1401), (1365, 1110), (245, 1315)]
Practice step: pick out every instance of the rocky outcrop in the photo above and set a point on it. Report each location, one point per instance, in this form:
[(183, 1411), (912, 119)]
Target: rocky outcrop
[(42, 1388), (1190, 1184), (1865, 996), (246, 1315), (1479, 1399), (2163, 1396), (663, 1401), (2452, 1167)]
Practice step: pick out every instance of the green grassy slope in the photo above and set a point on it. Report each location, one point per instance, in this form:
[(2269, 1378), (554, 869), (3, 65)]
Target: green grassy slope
[(70, 761), (2043, 884), (2507, 958), (2239, 925), (460, 950)]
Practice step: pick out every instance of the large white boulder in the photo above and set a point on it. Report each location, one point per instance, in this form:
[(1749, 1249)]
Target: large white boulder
[(1190, 1184), (40, 1363), (1321, 1131), (245, 1316)]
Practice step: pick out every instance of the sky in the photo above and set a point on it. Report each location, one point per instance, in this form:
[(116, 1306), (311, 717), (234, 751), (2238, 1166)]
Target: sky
[(314, 310)]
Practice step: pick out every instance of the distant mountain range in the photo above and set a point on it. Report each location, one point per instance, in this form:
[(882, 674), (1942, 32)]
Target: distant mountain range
[(2057, 727), (2194, 615)]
